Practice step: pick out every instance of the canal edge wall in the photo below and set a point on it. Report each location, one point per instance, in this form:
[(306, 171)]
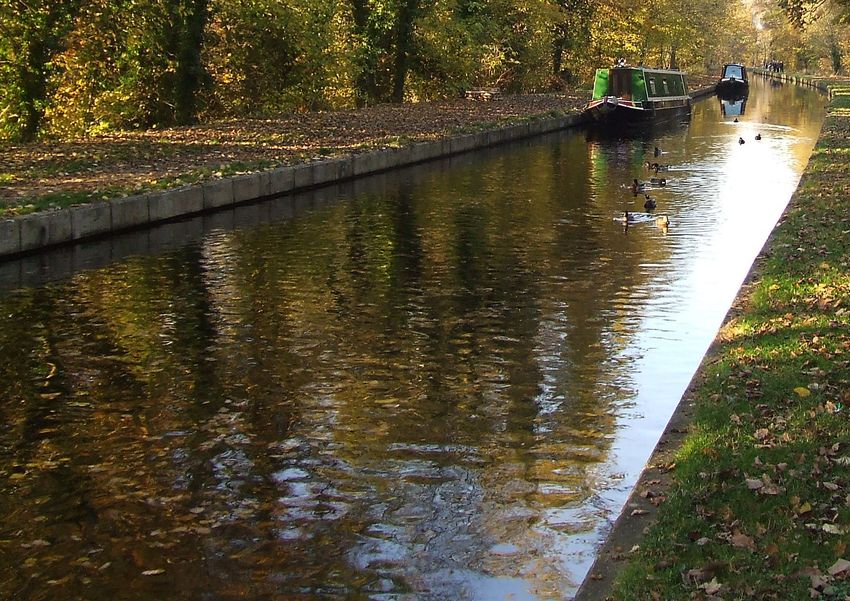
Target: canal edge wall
[(28, 233), (802, 80), (25, 234), (640, 513)]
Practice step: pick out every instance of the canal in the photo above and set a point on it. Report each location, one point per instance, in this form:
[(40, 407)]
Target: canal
[(437, 383)]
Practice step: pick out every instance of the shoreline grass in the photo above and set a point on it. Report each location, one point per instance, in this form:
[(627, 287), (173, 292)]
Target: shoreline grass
[(759, 506)]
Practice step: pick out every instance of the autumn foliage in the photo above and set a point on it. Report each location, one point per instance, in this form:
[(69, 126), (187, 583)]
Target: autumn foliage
[(83, 67)]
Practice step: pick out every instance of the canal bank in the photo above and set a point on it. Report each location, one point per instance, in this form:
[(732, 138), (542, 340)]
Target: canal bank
[(747, 494), (44, 229)]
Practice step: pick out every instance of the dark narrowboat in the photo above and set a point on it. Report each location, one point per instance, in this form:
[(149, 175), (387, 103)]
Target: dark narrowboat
[(733, 81), (634, 94)]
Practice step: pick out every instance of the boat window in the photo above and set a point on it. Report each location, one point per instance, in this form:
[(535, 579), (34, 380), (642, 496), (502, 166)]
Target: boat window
[(666, 87), (734, 71), (652, 86)]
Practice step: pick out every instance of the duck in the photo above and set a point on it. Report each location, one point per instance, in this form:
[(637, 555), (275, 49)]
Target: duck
[(628, 218), (657, 151), (659, 167), (650, 203), (741, 141), (658, 181), (758, 136), (638, 186)]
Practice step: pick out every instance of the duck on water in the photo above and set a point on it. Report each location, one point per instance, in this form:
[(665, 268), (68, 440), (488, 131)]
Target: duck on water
[(632, 217)]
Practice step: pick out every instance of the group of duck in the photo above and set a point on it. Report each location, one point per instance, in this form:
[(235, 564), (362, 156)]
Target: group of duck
[(742, 140), (639, 187)]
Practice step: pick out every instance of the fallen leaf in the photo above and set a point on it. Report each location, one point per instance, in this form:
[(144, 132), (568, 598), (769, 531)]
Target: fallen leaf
[(712, 586), (754, 483), (772, 549), (802, 391), (839, 567), (153, 572), (833, 529), (742, 541)]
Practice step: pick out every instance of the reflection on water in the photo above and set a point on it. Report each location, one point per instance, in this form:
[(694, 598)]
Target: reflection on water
[(733, 106), (439, 386)]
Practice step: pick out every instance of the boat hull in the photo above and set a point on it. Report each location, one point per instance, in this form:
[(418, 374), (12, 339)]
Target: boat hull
[(611, 109), (732, 88)]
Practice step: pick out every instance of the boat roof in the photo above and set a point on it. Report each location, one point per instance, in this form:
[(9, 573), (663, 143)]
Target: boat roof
[(652, 69)]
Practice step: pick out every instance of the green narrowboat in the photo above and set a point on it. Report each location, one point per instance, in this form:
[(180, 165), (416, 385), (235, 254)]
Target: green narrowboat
[(633, 94)]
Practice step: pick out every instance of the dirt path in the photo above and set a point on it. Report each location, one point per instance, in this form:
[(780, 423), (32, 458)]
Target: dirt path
[(133, 160)]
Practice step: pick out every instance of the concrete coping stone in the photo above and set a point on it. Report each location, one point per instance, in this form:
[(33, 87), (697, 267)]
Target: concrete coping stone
[(45, 229), (281, 180), (130, 211), (246, 187), (176, 203), (10, 236), (91, 220), (217, 193), (402, 155), (303, 176), (326, 171)]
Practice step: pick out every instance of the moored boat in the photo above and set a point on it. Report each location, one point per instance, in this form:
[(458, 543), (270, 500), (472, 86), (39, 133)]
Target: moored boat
[(733, 81), (633, 94)]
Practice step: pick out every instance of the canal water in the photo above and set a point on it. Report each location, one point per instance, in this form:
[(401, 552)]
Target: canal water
[(439, 383)]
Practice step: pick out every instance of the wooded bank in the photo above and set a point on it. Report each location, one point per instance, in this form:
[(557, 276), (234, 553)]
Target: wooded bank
[(83, 67)]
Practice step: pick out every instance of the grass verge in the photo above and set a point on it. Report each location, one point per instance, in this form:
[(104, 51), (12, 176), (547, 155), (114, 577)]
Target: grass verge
[(759, 507)]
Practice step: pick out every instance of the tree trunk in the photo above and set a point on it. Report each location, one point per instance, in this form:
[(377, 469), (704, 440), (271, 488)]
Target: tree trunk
[(33, 81), (835, 55), (404, 45), (189, 71), (557, 55), (365, 83)]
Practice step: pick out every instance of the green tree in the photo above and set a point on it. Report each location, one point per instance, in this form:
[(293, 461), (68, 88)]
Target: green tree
[(571, 37), (32, 34)]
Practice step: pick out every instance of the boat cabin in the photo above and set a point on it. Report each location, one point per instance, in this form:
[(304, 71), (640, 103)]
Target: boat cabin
[(733, 81), (734, 71), (637, 93), (639, 84)]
